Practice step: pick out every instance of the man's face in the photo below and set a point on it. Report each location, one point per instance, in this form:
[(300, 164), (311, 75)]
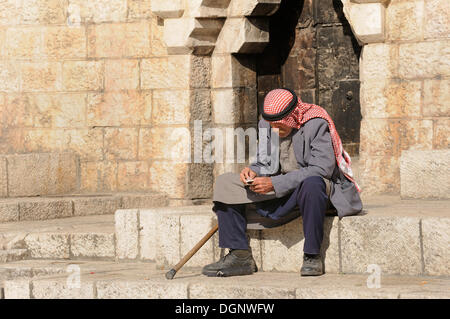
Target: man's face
[(281, 129)]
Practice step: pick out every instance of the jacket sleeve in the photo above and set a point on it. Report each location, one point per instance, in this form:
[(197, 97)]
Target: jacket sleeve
[(263, 153), (321, 162)]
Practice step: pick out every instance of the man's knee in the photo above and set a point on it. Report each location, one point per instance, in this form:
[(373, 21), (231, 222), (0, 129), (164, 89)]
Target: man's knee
[(312, 187)]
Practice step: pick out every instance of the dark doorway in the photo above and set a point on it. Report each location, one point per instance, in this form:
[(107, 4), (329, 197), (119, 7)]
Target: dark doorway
[(313, 51)]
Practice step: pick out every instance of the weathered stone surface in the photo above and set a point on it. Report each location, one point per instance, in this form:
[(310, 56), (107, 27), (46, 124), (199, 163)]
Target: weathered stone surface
[(171, 107), (167, 8), (119, 108), (48, 245), (424, 174), (436, 240), (168, 240), (92, 245), (148, 233), (441, 134), (23, 42), (83, 75), (62, 42), (9, 76), (238, 8), (158, 46), (206, 291), (330, 245), (140, 290), (379, 174), (168, 143), (122, 74), (404, 20), (121, 143), (391, 99), (339, 293), (436, 97), (127, 233), (41, 76), (133, 176), (232, 106), (437, 17), (42, 174), (3, 177), (38, 209), (201, 180), (59, 289), (10, 255), (175, 186), (9, 212), (367, 21), (97, 11), (378, 62), (392, 243), (139, 9), (165, 72), (421, 60), (17, 289), (130, 39), (130, 201), (98, 176), (228, 71), (85, 206)]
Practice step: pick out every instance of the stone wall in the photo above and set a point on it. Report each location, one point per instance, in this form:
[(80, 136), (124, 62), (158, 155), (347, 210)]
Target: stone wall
[(405, 72), (94, 78)]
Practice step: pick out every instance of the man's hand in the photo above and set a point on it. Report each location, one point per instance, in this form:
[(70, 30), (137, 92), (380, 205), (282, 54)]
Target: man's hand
[(247, 173), (262, 185)]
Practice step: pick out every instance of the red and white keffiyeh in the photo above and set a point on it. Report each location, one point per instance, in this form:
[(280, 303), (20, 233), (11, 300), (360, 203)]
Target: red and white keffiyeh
[(277, 100)]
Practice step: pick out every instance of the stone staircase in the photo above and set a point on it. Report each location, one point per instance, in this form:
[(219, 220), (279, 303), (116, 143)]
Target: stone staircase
[(127, 254)]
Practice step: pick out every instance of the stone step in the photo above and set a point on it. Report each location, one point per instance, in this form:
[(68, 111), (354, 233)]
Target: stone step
[(401, 237), (52, 207), (109, 280)]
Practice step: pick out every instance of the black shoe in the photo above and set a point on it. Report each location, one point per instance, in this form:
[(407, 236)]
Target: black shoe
[(312, 265), (235, 263)]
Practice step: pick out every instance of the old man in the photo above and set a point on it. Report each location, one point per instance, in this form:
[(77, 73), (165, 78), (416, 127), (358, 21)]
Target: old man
[(312, 173)]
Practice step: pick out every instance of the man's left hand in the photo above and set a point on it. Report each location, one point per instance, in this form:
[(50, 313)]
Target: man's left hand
[(262, 185)]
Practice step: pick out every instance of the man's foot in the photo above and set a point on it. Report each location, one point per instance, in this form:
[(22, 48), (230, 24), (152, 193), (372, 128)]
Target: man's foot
[(312, 265), (237, 262)]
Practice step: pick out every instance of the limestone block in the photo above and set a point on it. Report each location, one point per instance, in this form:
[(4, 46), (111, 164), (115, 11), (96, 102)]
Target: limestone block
[(133, 175), (41, 76), (141, 290), (17, 289), (441, 138), (200, 72), (98, 176), (119, 108), (207, 291), (85, 206), (158, 46), (378, 62), (88, 143), (39, 209), (424, 174), (437, 17), (201, 180), (392, 243), (41, 12), (169, 143), (330, 245), (379, 174), (282, 247), (167, 8), (139, 9), (121, 40), (168, 240), (176, 185), (148, 233), (390, 99), (48, 245), (92, 245), (421, 60), (436, 240), (9, 212), (121, 143), (231, 106), (170, 72), (97, 11), (62, 42), (59, 289), (83, 75), (9, 76), (436, 97), (121, 74), (143, 200), (192, 228), (127, 233), (239, 8), (228, 71), (207, 8), (404, 20), (171, 107), (367, 21), (3, 178), (10, 255), (243, 35), (339, 293), (23, 42)]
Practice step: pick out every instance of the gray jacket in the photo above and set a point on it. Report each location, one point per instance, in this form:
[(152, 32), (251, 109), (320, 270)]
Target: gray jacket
[(314, 153)]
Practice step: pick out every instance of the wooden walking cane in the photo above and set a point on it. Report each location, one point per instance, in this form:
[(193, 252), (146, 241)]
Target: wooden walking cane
[(171, 273)]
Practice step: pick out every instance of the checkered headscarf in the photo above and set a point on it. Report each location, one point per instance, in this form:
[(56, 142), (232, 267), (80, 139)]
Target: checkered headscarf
[(277, 100)]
